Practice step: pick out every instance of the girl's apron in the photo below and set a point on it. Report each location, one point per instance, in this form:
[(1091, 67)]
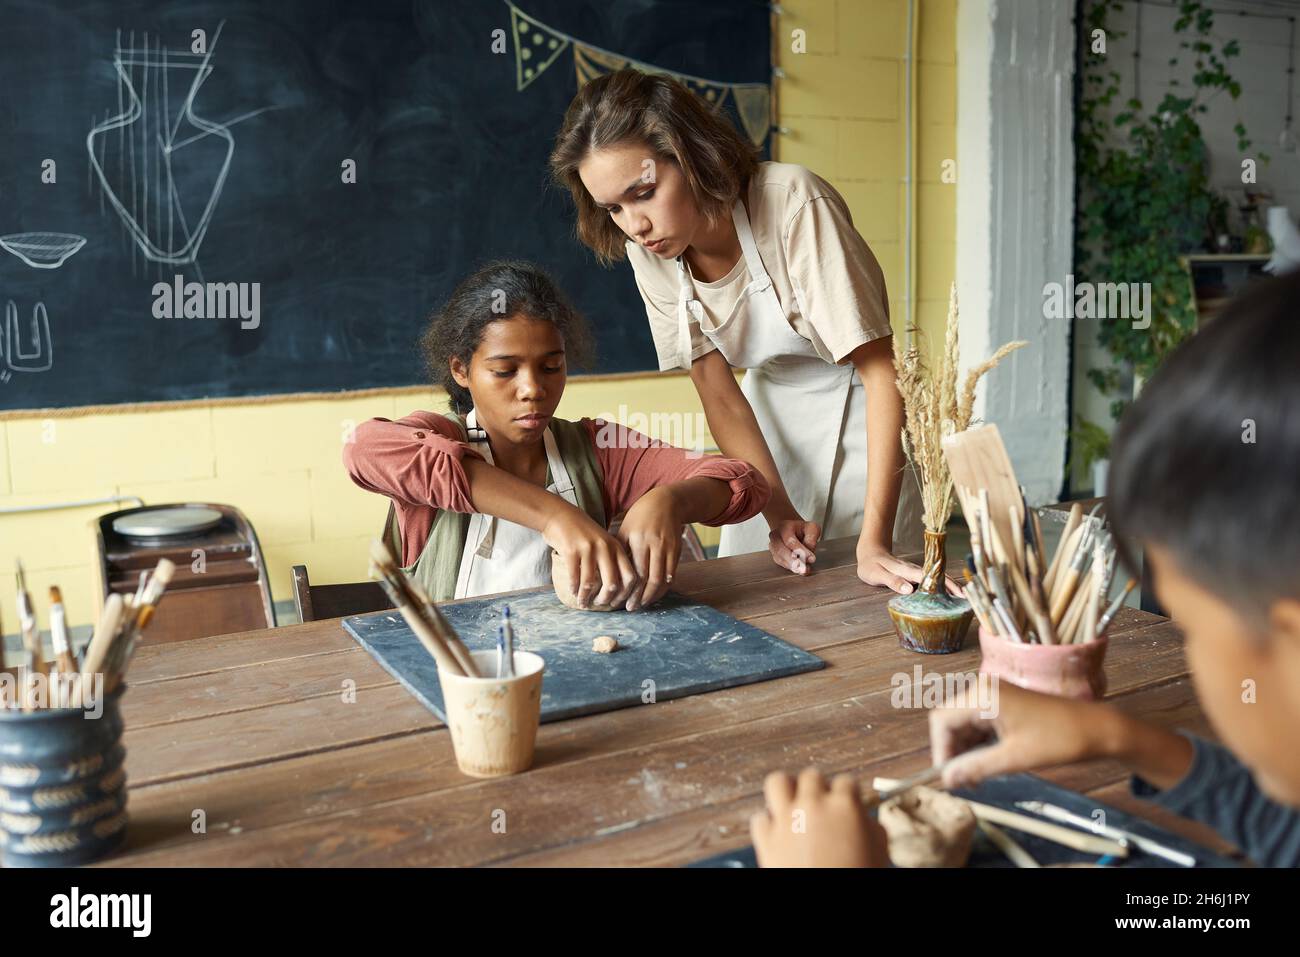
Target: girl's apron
[(500, 555), (471, 554), (811, 412)]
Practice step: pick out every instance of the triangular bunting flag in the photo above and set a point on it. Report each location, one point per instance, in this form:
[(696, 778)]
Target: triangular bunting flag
[(536, 46), (753, 103), (590, 63)]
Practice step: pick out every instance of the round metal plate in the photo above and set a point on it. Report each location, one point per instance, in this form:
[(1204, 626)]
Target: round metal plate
[(166, 522)]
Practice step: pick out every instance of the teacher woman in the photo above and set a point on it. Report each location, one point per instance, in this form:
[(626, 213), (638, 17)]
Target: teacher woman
[(753, 265)]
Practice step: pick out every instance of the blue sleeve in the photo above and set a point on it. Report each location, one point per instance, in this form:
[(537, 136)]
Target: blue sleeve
[(1220, 792)]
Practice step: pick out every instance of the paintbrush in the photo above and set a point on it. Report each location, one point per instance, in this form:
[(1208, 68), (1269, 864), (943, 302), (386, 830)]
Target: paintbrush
[(143, 607), (1063, 546), (423, 632), (27, 622), (1004, 843), (1112, 610), (63, 656), (506, 664), (1068, 581), (402, 592), (33, 660), (111, 617), (1121, 835), (6, 671), (881, 794), (978, 599)]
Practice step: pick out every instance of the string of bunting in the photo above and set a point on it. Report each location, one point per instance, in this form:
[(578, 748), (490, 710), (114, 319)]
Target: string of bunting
[(538, 46)]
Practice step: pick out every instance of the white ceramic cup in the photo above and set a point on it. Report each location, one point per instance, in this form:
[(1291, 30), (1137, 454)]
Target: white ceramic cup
[(493, 721)]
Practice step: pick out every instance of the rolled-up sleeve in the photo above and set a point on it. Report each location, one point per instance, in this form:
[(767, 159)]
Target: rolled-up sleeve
[(418, 460), (633, 463)]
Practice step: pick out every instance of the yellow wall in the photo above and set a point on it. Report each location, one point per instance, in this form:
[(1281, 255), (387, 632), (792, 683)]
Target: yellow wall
[(843, 102), (280, 461)]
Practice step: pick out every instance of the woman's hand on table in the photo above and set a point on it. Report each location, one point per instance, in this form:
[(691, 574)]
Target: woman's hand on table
[(808, 823), (652, 531), (599, 568), (793, 543), (878, 566)]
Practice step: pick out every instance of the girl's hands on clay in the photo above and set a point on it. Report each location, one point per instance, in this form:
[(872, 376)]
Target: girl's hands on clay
[(793, 544), (808, 824), (1030, 731), (595, 561), (652, 531), (878, 566)]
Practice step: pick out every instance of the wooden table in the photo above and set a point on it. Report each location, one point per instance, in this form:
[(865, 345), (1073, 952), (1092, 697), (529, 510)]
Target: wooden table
[(253, 730)]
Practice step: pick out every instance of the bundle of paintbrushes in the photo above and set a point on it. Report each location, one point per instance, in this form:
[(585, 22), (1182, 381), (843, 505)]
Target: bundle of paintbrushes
[(429, 624), (62, 682), (1016, 590)]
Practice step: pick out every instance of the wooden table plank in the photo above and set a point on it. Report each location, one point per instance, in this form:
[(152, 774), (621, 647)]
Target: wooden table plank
[(253, 730), (391, 769), (615, 751)]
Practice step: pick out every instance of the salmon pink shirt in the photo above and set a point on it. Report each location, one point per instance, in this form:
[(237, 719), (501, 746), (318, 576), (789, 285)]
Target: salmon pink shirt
[(417, 462)]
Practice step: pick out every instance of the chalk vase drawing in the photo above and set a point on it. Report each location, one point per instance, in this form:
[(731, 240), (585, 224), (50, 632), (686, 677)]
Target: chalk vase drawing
[(929, 620), (161, 165)]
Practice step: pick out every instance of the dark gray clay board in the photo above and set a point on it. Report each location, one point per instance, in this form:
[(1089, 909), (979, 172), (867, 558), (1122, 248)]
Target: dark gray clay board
[(683, 647), (1004, 792)]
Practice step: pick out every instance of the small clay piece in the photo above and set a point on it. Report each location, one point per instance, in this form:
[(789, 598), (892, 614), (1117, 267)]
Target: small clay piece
[(604, 644), (563, 592), (928, 828)]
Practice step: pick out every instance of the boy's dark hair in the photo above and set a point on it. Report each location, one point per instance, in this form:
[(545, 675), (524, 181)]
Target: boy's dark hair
[(1206, 462), (499, 290)]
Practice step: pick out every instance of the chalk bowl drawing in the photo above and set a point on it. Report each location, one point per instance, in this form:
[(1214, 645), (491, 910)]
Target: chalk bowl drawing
[(160, 164), (41, 356), (42, 250)]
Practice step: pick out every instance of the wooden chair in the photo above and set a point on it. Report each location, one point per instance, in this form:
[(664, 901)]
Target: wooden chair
[(220, 584), (317, 602)]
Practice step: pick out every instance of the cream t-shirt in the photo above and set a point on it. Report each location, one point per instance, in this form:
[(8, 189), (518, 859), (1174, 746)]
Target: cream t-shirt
[(827, 279)]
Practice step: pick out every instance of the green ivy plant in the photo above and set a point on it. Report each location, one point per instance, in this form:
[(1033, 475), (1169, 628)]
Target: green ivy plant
[(1144, 195)]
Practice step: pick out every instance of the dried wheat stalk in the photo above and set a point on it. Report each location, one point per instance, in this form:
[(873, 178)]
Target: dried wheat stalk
[(933, 410)]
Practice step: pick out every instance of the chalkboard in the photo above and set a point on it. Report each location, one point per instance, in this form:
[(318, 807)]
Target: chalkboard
[(675, 648), (231, 171)]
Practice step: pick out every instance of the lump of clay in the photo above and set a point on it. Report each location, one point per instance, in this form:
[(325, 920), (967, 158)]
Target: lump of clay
[(604, 644), (928, 828), (562, 591)]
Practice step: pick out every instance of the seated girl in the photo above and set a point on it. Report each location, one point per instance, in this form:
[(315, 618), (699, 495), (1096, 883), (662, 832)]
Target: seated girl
[(479, 498)]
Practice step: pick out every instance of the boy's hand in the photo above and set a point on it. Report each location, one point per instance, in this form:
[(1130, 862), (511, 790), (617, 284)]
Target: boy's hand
[(652, 531), (811, 825), (1032, 731), (595, 561)]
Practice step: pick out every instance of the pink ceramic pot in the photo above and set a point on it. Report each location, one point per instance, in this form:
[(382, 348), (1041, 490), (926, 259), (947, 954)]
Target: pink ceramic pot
[(1071, 671)]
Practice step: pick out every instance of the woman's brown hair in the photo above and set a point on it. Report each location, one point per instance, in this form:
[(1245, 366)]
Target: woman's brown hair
[(678, 125)]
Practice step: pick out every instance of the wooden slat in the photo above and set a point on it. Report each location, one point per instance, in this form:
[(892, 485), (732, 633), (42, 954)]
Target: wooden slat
[(854, 692), (253, 730)]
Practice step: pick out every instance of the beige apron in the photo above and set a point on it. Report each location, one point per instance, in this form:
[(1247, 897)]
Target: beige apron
[(811, 412), (500, 555)]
